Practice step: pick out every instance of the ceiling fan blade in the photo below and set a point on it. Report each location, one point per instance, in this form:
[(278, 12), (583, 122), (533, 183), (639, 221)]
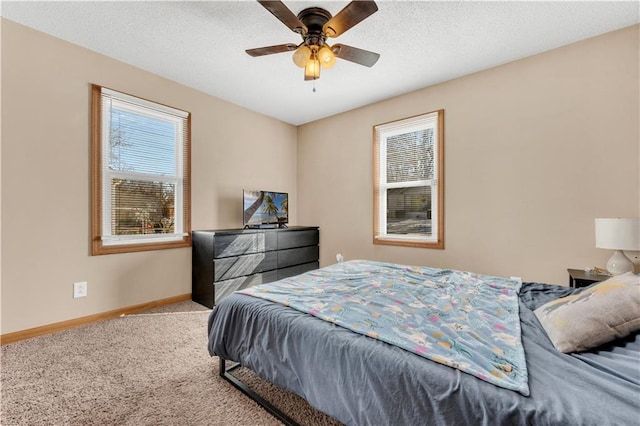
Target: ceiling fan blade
[(285, 15), (353, 13), (270, 50), (353, 54)]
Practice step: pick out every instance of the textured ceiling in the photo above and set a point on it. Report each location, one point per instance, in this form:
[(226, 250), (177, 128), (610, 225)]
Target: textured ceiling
[(201, 44)]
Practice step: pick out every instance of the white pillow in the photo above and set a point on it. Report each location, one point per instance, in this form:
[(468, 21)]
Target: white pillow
[(598, 314)]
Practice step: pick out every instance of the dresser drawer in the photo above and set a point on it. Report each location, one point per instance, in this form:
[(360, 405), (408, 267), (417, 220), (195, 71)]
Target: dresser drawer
[(238, 244), (292, 239), (239, 266), (226, 287), (297, 256)]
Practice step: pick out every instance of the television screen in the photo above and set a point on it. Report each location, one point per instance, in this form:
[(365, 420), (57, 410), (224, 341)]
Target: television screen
[(265, 208)]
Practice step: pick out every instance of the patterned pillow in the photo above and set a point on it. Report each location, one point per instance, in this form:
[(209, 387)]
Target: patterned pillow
[(598, 314)]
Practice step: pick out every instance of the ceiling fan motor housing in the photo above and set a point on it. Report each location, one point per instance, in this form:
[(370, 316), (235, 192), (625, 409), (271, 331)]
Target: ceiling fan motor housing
[(314, 19)]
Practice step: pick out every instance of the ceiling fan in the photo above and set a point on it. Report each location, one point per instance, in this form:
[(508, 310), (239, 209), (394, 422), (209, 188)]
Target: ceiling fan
[(315, 25)]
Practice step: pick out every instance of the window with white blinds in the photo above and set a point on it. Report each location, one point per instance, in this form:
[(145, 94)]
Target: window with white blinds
[(408, 192), (141, 177)]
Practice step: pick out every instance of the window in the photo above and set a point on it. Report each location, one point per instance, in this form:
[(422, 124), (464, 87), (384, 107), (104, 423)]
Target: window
[(141, 196), (408, 182)]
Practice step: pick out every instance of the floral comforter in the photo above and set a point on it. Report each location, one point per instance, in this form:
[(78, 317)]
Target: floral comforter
[(460, 319)]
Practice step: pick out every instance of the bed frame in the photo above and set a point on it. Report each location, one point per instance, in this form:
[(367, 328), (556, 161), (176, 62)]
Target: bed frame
[(225, 373)]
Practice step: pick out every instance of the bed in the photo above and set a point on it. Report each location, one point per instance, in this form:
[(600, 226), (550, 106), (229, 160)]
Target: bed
[(360, 380)]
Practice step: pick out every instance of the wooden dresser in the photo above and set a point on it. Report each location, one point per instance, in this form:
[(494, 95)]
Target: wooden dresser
[(224, 261)]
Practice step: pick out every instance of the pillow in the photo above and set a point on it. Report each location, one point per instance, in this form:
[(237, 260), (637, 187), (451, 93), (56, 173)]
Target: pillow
[(598, 314)]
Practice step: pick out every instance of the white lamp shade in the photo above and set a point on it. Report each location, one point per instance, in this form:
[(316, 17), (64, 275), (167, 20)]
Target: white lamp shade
[(622, 233)]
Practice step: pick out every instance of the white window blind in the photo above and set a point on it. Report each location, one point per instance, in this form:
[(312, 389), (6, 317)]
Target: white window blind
[(144, 171), (407, 187)]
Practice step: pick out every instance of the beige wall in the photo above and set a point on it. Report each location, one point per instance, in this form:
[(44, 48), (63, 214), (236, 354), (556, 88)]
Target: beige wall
[(534, 151), (45, 179)]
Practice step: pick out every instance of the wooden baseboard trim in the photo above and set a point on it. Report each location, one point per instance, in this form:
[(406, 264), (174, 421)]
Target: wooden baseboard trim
[(64, 325)]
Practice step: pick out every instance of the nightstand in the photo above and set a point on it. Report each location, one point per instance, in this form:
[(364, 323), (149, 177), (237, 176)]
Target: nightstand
[(579, 278)]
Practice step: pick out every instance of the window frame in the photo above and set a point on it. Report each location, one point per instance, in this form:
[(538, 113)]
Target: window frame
[(126, 244), (392, 128)]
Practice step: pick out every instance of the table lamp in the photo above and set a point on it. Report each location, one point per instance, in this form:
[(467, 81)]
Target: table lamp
[(621, 233)]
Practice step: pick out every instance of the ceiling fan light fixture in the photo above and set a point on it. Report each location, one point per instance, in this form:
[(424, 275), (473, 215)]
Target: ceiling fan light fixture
[(315, 25), (301, 56), (326, 57), (312, 69)]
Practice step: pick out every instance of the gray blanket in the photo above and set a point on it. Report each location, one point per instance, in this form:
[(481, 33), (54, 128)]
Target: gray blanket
[(361, 381)]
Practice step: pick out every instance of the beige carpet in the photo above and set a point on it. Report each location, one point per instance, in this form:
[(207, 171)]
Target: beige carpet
[(146, 369)]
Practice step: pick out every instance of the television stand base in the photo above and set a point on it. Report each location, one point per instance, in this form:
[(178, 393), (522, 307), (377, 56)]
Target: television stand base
[(267, 226)]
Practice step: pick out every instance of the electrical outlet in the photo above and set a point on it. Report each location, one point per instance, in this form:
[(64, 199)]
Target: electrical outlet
[(339, 257), (79, 289)]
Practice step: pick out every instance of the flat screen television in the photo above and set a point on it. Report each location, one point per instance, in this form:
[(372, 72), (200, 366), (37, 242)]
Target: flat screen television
[(265, 209)]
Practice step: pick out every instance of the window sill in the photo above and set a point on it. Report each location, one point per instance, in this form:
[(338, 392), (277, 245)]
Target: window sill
[(98, 248), (439, 245)]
